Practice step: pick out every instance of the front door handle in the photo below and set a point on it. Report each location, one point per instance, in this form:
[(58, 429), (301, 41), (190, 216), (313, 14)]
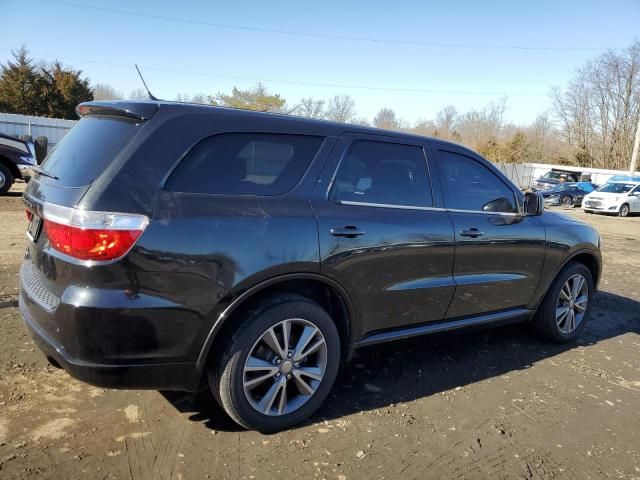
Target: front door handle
[(349, 231), (471, 232)]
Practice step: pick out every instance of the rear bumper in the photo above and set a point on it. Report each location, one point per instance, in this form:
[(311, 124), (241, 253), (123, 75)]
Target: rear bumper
[(153, 375)]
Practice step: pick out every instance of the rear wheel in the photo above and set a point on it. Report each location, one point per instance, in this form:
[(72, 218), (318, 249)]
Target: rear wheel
[(6, 179), (624, 210), (280, 364), (565, 309)]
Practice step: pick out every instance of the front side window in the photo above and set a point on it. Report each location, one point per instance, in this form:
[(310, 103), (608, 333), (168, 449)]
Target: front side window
[(245, 164), (384, 174), (469, 185)]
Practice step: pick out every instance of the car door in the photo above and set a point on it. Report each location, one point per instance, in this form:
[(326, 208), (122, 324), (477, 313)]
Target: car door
[(634, 200), (381, 237), (499, 252)]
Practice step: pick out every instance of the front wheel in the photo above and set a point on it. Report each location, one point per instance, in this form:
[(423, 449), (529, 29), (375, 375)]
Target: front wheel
[(565, 309), (566, 201), (6, 179), (624, 210), (280, 364)]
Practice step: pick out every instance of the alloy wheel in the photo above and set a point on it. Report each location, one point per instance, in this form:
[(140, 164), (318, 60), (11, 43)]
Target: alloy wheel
[(624, 210), (3, 179), (567, 201), (572, 303), (285, 367)]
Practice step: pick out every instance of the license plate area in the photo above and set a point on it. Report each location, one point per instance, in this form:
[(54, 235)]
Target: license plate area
[(35, 225)]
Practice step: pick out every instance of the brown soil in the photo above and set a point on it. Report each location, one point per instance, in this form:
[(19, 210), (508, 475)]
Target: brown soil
[(489, 404)]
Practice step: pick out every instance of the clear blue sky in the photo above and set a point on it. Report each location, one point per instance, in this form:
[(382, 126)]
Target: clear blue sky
[(89, 39)]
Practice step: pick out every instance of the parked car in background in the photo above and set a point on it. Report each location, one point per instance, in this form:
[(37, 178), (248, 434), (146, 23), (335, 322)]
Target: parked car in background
[(257, 251), (621, 197), (567, 194), (17, 157), (554, 177)]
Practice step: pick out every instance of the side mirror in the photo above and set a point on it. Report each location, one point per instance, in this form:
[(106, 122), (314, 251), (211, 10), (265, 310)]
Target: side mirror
[(533, 204)]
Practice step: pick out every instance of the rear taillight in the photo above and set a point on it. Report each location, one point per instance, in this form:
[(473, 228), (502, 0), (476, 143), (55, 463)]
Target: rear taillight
[(29, 215), (86, 235)]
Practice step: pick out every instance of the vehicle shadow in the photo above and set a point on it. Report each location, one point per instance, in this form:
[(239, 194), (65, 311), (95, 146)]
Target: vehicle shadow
[(403, 371)]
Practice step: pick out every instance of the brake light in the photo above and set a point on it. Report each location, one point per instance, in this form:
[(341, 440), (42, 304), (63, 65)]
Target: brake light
[(85, 235), (29, 215)]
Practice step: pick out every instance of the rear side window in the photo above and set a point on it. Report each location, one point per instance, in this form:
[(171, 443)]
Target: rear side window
[(384, 174), (245, 164), (469, 185), (89, 147)]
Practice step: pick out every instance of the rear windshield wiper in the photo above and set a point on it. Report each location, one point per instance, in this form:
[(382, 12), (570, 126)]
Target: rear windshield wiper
[(42, 171)]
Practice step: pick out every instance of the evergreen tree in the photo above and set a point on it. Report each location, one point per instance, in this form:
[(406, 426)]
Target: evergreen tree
[(21, 86)]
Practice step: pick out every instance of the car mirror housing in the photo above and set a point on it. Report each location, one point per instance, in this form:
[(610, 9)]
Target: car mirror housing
[(533, 204)]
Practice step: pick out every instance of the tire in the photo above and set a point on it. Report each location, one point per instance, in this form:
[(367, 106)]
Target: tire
[(6, 179), (566, 201), (624, 210), (557, 329), (251, 408)]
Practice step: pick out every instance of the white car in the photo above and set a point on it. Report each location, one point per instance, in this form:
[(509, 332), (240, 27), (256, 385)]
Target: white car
[(620, 197)]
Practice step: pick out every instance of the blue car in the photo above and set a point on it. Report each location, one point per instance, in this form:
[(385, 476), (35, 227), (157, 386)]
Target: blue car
[(568, 194)]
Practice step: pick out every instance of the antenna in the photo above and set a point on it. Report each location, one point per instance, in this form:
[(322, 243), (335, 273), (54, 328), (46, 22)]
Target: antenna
[(151, 97)]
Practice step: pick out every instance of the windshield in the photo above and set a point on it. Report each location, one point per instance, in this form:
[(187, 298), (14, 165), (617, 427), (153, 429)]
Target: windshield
[(616, 187), (571, 177)]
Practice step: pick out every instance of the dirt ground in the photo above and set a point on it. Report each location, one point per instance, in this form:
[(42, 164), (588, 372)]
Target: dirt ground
[(490, 404)]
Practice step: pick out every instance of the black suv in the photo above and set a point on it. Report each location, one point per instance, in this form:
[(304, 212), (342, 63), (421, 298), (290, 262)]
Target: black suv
[(173, 246), (17, 158)]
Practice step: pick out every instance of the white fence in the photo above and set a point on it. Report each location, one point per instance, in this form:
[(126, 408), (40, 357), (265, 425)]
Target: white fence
[(52, 128), (524, 175)]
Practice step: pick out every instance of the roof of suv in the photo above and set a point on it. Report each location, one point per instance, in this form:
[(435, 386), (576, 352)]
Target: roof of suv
[(145, 109)]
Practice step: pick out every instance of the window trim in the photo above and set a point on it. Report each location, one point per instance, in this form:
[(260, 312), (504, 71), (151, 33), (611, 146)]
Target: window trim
[(329, 193), (182, 156)]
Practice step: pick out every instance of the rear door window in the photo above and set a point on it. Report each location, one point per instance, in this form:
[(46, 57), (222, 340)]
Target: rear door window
[(245, 164), (89, 147), (383, 173)]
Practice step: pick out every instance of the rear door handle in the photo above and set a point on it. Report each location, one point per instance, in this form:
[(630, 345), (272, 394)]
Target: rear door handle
[(349, 231), (471, 232)]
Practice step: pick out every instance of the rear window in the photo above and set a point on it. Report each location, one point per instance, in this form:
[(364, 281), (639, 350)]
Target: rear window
[(245, 164), (88, 149)]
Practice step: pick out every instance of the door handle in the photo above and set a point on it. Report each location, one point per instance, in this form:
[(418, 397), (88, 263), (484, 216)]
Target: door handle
[(349, 231), (471, 232)]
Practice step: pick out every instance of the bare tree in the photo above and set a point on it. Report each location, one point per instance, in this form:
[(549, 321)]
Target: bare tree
[(341, 108), (310, 107), (138, 94), (201, 98), (386, 118), (360, 121), (445, 120), (482, 127), (102, 91), (598, 111)]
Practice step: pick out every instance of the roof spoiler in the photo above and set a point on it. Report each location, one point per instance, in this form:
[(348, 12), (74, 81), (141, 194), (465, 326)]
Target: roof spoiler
[(137, 110)]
